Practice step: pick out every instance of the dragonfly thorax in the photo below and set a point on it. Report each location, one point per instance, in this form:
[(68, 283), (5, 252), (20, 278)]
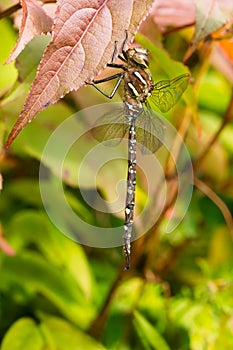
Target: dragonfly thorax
[(138, 84), (138, 81)]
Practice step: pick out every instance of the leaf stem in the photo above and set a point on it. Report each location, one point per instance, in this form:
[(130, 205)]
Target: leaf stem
[(176, 29), (97, 326), (204, 188), (8, 12)]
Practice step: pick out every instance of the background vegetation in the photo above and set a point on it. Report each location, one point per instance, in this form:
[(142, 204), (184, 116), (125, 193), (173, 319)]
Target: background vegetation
[(56, 294)]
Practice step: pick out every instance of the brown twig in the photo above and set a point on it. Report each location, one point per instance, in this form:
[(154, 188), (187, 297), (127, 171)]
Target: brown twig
[(98, 324), (176, 29), (203, 187), (8, 12)]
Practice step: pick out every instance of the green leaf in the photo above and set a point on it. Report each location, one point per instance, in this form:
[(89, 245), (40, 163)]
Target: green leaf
[(52, 334), (226, 138), (220, 247), (35, 275), (2, 131), (205, 329), (26, 64), (30, 57), (66, 337), (214, 93), (36, 135), (184, 311), (125, 298), (153, 304), (23, 335), (148, 334), (57, 248), (160, 60), (25, 190), (8, 73)]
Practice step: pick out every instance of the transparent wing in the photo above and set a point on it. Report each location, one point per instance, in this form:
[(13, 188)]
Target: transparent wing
[(150, 131), (111, 127), (167, 93)]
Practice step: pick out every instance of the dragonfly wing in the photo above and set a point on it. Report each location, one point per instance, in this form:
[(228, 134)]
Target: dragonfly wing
[(167, 93), (110, 127), (150, 131)]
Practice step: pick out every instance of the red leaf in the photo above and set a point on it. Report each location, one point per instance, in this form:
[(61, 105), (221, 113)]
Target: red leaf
[(34, 22), (1, 182), (4, 245), (175, 13), (82, 43), (210, 15)]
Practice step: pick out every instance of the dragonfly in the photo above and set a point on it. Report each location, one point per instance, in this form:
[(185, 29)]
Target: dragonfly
[(136, 117)]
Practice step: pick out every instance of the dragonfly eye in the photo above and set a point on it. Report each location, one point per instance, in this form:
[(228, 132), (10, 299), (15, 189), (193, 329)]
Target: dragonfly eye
[(141, 59), (138, 56)]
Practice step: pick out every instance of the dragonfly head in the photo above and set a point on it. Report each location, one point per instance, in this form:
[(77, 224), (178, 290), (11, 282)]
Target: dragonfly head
[(138, 56)]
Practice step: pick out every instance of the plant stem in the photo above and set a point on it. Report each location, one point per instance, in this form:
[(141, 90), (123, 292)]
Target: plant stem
[(8, 12)]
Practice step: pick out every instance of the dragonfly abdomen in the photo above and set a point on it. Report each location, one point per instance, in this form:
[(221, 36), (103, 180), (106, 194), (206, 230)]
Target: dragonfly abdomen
[(130, 194)]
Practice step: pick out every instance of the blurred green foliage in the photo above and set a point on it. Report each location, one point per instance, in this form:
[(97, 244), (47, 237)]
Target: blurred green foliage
[(58, 295)]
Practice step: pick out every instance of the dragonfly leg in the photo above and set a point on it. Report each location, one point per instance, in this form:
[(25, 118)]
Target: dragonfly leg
[(125, 41), (119, 78), (124, 57), (114, 55), (116, 65), (112, 77)]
